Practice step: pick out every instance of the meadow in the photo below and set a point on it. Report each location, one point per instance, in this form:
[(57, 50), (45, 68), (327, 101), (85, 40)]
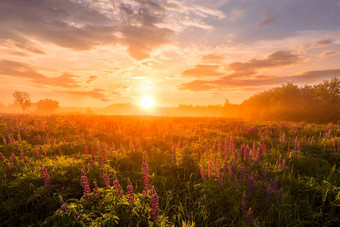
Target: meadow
[(64, 170)]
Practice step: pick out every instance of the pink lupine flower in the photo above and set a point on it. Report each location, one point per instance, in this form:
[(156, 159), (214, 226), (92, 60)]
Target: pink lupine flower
[(82, 169), (106, 180), (3, 158), (86, 186), (4, 140), (101, 162), (242, 171), (130, 192), (93, 153), (86, 150), (244, 201), (9, 169), (91, 161), (203, 174), (46, 177), (154, 205), (146, 177), (250, 215), (280, 159), (14, 159), (117, 187), (19, 137)]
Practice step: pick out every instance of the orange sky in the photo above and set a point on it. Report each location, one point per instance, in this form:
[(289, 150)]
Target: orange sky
[(96, 53)]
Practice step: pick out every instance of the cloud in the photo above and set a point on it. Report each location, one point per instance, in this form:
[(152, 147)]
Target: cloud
[(91, 78), (276, 59), (202, 71), (329, 53), (234, 82), (25, 71), (211, 58), (141, 26), (235, 15), (94, 93), (270, 17)]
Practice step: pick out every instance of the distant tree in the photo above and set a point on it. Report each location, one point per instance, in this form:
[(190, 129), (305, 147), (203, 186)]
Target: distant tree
[(47, 106), (23, 99)]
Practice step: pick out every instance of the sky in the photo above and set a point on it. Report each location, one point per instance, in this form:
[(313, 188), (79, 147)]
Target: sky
[(100, 52)]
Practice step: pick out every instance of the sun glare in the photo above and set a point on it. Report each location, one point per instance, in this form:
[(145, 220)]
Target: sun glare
[(147, 102)]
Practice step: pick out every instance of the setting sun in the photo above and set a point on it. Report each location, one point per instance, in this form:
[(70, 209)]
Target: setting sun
[(147, 102)]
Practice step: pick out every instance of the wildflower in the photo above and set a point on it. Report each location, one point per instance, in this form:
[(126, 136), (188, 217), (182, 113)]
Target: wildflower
[(36, 153), (86, 150), (154, 205), (3, 158), (4, 140), (64, 206), (203, 174), (59, 152), (46, 177), (130, 193), (269, 194), (146, 177), (117, 186), (101, 162), (19, 137), (220, 180), (283, 164), (242, 171), (9, 169), (91, 163), (106, 180), (250, 215), (244, 201), (265, 174), (77, 217), (14, 159), (86, 186)]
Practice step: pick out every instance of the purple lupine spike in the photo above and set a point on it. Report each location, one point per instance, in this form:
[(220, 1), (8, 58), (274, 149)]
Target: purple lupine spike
[(77, 217), (280, 159), (19, 137), (250, 215), (3, 158), (9, 169), (21, 154), (117, 187), (36, 153), (14, 159), (64, 206), (280, 194), (283, 137), (4, 140), (106, 180), (242, 172), (25, 160), (154, 205), (224, 169), (46, 177), (230, 171), (274, 185), (91, 162), (244, 201), (101, 162), (220, 180), (93, 153), (86, 186), (146, 177), (130, 193), (86, 150), (265, 174)]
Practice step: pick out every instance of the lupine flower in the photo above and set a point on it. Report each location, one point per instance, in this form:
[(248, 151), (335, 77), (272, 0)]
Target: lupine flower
[(77, 217), (220, 180), (117, 186), (14, 159), (101, 162), (203, 174), (4, 140), (9, 169), (86, 150), (36, 153), (46, 177), (146, 177), (86, 186), (64, 206), (283, 164), (93, 153), (3, 158), (19, 137), (242, 172), (250, 215), (280, 159), (244, 201), (130, 193), (106, 180), (82, 169), (91, 163), (154, 205)]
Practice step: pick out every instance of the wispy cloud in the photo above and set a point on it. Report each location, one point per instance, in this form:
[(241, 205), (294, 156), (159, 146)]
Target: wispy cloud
[(94, 93), (269, 18)]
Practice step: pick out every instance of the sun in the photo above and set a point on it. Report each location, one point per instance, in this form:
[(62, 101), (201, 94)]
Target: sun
[(147, 102)]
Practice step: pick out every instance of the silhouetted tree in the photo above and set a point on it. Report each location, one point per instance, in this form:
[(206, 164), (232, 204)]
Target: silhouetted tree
[(23, 99), (47, 106)]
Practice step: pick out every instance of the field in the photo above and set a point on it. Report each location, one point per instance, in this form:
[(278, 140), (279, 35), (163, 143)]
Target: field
[(159, 171)]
